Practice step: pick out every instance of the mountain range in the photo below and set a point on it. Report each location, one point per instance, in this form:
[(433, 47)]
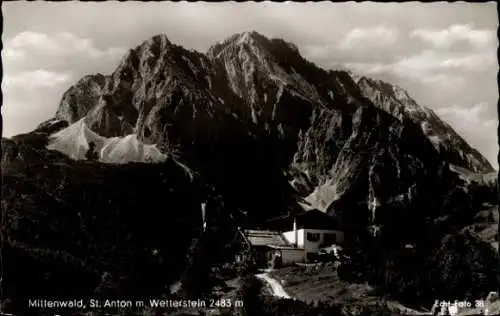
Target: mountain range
[(273, 133), (338, 135)]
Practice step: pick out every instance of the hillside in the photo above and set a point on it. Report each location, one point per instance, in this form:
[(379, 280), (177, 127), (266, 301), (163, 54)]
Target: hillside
[(82, 223), (267, 130)]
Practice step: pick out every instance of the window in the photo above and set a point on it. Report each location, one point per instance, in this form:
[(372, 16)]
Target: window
[(313, 237), (329, 238)]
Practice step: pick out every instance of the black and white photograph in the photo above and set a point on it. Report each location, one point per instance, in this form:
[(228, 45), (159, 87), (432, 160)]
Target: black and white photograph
[(249, 158)]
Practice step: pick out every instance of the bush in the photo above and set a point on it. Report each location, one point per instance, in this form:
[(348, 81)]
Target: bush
[(245, 268), (198, 279), (228, 271), (250, 293)]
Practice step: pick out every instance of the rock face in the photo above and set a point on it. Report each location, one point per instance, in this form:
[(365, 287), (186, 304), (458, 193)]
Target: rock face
[(398, 103), (253, 108)]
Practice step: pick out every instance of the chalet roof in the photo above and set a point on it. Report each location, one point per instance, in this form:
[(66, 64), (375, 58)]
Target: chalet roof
[(265, 238), (286, 247)]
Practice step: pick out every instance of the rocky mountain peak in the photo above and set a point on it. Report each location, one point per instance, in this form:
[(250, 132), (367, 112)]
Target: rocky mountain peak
[(333, 128), (78, 100), (153, 48), (252, 40), (394, 91), (397, 102), (267, 129), (249, 38)]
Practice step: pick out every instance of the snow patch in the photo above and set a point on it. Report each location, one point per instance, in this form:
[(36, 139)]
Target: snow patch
[(74, 141), (323, 196)]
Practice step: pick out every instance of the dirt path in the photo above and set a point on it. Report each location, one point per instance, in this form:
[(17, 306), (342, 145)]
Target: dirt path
[(276, 287)]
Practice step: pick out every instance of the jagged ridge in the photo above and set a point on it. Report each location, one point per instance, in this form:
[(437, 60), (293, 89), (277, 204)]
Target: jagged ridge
[(250, 117), (344, 138)]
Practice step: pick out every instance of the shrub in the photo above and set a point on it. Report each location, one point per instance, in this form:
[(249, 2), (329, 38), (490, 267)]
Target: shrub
[(250, 293), (197, 279), (245, 268)]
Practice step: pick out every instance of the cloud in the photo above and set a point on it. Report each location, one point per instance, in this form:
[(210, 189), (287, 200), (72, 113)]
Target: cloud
[(431, 67), (430, 60), (466, 115), (35, 79), (379, 36), (476, 125), (455, 33), (316, 51), (58, 45), (445, 80), (366, 68), (12, 54), (375, 43)]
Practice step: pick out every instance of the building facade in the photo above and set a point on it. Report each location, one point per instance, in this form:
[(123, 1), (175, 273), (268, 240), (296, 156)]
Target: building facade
[(298, 242), (312, 240)]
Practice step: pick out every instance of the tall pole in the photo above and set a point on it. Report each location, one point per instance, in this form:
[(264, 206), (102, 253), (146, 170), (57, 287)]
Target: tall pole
[(203, 216), (296, 235)]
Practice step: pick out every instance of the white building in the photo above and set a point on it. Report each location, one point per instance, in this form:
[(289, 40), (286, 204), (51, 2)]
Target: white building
[(298, 240), (312, 231)]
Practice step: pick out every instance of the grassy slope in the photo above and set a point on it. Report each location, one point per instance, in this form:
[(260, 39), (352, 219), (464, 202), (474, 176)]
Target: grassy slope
[(323, 285)]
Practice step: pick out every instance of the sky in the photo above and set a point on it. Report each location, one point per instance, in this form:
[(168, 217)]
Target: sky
[(443, 54)]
